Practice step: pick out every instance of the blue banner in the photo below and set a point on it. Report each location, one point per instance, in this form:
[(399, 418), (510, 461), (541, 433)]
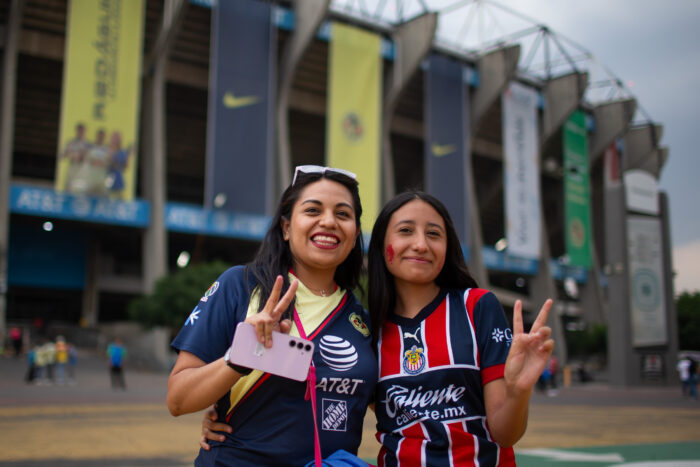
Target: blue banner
[(240, 140), (447, 145), (36, 201), (192, 219)]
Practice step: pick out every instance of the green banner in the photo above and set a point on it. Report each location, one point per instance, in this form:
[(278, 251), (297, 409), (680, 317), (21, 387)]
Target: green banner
[(577, 210)]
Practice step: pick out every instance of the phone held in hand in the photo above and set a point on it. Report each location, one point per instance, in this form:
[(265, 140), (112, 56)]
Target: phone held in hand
[(289, 357)]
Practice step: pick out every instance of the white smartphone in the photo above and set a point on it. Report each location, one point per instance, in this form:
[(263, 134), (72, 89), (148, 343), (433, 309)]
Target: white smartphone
[(289, 357)]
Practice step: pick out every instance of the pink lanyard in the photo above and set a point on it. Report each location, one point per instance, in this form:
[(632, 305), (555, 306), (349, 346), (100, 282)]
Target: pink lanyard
[(311, 394)]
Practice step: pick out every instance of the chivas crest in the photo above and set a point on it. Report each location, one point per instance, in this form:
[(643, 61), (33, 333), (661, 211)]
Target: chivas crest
[(413, 360)]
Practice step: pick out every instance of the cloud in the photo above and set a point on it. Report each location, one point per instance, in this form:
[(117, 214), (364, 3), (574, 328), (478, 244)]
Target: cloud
[(686, 265)]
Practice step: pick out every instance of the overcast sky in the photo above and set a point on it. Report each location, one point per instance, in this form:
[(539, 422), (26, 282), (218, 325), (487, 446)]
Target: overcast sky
[(653, 47)]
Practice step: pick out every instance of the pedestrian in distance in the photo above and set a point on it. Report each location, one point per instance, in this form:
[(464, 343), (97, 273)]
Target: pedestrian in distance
[(693, 378), (61, 359), (116, 353), (31, 366), (305, 270), (683, 368), (72, 363), (16, 337)]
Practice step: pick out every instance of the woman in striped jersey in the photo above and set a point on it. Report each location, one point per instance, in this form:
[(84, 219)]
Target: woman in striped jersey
[(454, 379)]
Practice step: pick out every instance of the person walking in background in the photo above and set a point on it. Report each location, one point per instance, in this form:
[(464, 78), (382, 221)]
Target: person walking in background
[(553, 366), (40, 364), (683, 368), (116, 353), (61, 359), (72, 363), (50, 360), (693, 378), (16, 337), (31, 366)]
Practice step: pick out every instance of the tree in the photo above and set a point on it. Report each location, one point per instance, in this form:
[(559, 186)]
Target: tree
[(590, 341), (175, 296), (688, 309)]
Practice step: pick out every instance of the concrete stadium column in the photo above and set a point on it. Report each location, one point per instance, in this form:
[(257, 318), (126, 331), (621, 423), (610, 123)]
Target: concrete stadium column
[(611, 121), (620, 366), (671, 354), (495, 69), (155, 239), (90, 301), (412, 41), (7, 126), (641, 151), (308, 16), (562, 96)]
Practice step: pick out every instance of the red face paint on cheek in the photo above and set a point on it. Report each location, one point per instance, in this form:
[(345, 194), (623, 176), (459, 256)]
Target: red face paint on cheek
[(389, 253)]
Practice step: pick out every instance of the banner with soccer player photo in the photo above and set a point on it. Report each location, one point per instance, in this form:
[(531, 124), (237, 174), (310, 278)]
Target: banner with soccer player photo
[(98, 130)]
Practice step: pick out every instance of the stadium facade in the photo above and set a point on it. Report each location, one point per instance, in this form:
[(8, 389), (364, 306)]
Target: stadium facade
[(199, 164)]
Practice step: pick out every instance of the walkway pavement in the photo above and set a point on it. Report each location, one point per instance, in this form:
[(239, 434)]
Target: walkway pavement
[(89, 424)]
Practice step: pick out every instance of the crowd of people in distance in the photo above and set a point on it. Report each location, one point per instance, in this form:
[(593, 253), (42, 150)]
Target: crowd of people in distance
[(52, 362)]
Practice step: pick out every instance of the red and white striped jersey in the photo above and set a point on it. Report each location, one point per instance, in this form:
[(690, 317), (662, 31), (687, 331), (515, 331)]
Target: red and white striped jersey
[(432, 369)]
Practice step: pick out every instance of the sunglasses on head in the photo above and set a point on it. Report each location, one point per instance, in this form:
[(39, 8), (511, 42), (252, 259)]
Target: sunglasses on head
[(317, 169)]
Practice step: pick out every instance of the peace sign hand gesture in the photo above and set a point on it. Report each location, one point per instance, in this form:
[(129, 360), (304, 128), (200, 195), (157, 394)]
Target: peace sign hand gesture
[(268, 319), (529, 352)]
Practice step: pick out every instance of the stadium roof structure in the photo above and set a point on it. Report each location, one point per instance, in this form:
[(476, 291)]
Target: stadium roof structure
[(473, 27)]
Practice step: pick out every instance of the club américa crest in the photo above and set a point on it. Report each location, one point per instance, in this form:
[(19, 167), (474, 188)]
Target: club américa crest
[(413, 360)]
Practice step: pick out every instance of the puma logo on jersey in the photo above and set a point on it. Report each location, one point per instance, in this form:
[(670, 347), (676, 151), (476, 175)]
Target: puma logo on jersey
[(407, 334)]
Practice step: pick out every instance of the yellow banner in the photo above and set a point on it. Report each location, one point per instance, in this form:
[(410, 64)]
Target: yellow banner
[(98, 134), (353, 134)]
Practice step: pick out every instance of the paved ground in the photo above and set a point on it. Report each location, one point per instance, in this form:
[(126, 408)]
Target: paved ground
[(89, 424)]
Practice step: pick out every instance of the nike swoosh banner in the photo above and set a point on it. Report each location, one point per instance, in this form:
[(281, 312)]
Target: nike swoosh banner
[(240, 171), (98, 129), (521, 174), (447, 147), (577, 205), (354, 105)]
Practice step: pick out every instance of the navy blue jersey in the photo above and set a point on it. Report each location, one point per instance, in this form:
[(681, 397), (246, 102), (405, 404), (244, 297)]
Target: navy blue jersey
[(432, 369), (272, 423)]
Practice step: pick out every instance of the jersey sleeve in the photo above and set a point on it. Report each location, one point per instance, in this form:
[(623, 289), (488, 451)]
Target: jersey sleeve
[(493, 335), (208, 330)]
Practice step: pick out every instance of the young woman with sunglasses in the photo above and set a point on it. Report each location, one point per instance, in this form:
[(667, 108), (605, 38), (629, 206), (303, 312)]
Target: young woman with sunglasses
[(305, 269)]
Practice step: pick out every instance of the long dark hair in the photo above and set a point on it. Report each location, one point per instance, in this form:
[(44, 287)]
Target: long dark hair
[(274, 257), (382, 291)]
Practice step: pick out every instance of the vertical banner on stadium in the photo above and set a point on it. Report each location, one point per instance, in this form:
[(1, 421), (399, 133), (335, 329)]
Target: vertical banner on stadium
[(521, 171), (447, 139), (611, 167), (240, 139), (98, 133), (644, 253), (577, 210), (354, 111)]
